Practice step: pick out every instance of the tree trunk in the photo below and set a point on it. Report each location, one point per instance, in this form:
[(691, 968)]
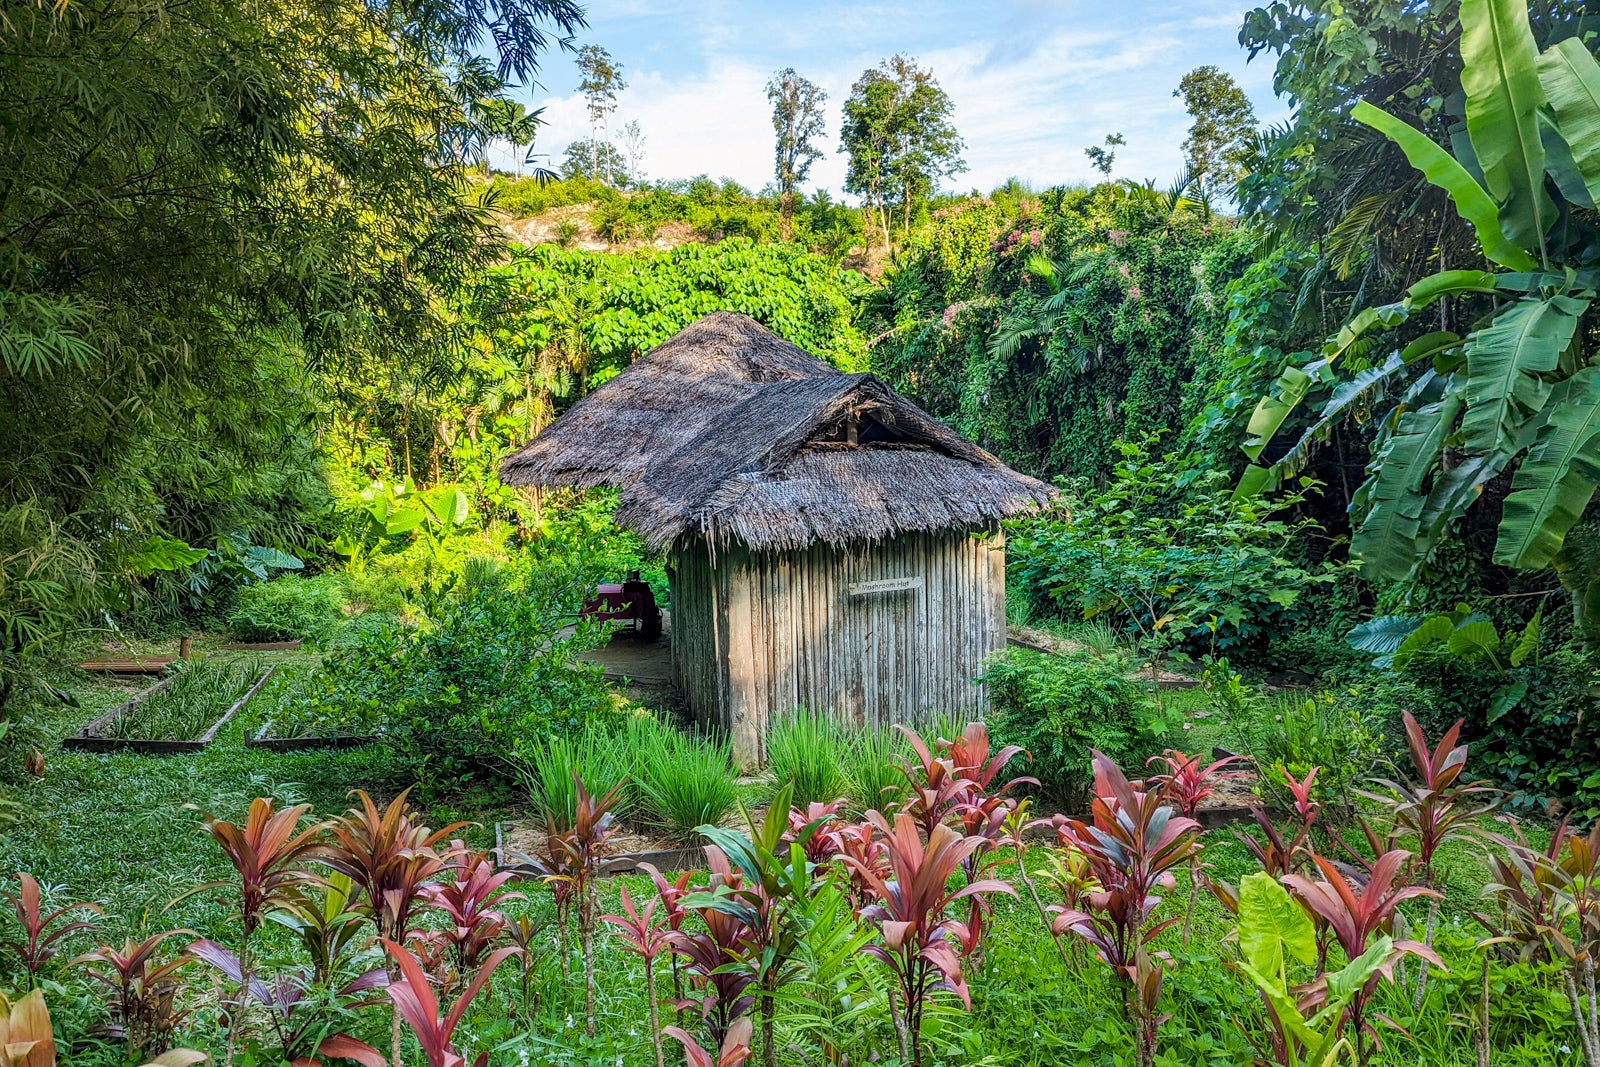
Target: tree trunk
[(899, 1027), (1482, 1036), (586, 933), (1422, 964), (769, 1011), (786, 215), (655, 1014)]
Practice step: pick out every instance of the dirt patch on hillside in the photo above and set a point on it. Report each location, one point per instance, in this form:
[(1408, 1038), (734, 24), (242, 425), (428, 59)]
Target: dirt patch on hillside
[(573, 226)]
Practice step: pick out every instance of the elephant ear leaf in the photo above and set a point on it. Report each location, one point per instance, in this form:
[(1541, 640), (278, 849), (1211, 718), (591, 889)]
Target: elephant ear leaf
[(1383, 636), (1472, 203), (1500, 75), (1556, 482), (1475, 638), (1434, 630), (1571, 80), (1528, 643)]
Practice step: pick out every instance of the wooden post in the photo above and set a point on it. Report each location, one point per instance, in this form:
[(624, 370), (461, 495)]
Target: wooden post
[(183, 647)]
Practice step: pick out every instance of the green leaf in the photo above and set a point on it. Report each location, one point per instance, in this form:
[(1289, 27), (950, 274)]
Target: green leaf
[(1475, 638), (1472, 203), (1506, 698), (1272, 925), (1528, 643), (1387, 542), (1429, 346), (1504, 365), (1383, 636), (1500, 75), (1571, 79), (1273, 408), (1449, 283), (1556, 482), (163, 554), (1434, 630), (1345, 396)]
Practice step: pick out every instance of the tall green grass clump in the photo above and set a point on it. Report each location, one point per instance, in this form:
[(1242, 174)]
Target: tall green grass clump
[(807, 751), (601, 761), (872, 771), (681, 781)]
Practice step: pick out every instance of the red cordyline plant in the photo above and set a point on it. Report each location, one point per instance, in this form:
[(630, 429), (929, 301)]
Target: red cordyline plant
[(816, 825), (936, 790), (1186, 784), (292, 1018), (268, 854), (143, 993), (40, 944), (733, 1051), (471, 903), (671, 895), (1550, 912), (391, 857), (642, 935), (1277, 854), (861, 850), (414, 1001), (1130, 848), (714, 958), (575, 854), (1357, 915), (910, 910), (1434, 808)]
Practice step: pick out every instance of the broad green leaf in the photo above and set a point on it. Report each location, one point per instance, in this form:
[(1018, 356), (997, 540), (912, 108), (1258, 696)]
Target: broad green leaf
[(1273, 408), (1560, 164), (1387, 541), (1472, 203), (1346, 395), (1272, 924), (1500, 75), (1506, 698), (1556, 482), (1528, 643), (1504, 364), (1429, 346), (1434, 630), (272, 559), (1348, 980), (1382, 636), (1476, 638), (1449, 283), (1253, 482), (163, 554), (403, 520), (1571, 79)]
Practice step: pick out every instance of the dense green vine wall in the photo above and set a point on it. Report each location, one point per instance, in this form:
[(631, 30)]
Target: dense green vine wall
[(1048, 328)]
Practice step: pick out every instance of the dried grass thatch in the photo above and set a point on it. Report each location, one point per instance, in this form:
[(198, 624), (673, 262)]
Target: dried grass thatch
[(729, 431)]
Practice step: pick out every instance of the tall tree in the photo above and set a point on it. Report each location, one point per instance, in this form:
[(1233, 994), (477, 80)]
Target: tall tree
[(1219, 141), (898, 133), (600, 81), (797, 120)]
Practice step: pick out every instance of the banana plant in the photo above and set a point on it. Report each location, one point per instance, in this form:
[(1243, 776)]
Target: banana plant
[(1517, 393)]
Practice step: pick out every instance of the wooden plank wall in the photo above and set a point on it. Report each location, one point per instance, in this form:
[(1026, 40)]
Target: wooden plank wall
[(787, 631)]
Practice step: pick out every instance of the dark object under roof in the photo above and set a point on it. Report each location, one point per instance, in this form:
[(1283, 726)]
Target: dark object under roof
[(728, 431)]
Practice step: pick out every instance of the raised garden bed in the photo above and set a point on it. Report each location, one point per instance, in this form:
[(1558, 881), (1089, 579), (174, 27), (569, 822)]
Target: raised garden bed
[(128, 665), (112, 732), (262, 646), (261, 739), (662, 859)]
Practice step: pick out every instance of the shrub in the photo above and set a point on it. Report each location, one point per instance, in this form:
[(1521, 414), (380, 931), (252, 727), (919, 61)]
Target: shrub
[(1544, 750), (287, 609), (1340, 737), (476, 688), (806, 752), (1059, 707), (680, 781), (872, 776)]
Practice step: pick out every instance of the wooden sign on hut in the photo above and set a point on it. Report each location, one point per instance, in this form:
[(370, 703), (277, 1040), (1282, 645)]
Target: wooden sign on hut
[(830, 545)]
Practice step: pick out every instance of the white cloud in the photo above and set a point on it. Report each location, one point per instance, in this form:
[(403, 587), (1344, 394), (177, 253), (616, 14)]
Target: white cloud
[(1034, 82)]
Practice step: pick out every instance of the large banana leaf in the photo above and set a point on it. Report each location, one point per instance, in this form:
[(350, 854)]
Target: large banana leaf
[(1500, 75), (1272, 409), (1571, 79), (1472, 203), (1387, 542), (1557, 480), (1346, 395), (1504, 364)]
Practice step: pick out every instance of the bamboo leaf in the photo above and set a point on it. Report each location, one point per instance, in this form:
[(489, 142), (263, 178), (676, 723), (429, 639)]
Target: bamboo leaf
[(1528, 643), (1557, 480), (1571, 80), (1500, 75), (1472, 202)]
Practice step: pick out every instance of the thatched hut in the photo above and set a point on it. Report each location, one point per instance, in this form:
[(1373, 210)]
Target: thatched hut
[(830, 546)]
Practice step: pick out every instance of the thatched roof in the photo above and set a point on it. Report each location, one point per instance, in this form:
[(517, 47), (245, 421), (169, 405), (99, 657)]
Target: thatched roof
[(729, 431)]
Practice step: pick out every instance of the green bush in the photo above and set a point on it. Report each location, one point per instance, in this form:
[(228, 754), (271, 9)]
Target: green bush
[(483, 684), (1059, 707), (1544, 750), (680, 781), (1341, 737), (287, 609), (872, 770)]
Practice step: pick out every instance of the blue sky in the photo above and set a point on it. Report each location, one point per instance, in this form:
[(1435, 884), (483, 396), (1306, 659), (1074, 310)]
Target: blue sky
[(1033, 81)]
